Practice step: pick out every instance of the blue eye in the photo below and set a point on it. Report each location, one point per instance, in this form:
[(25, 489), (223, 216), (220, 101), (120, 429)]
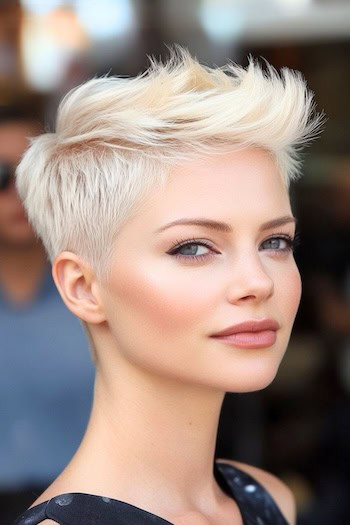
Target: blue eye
[(192, 250), (278, 243)]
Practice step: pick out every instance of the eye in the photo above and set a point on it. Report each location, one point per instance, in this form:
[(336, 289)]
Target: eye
[(192, 249), (279, 243)]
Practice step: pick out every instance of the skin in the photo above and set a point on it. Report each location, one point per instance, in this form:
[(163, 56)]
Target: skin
[(14, 227), (161, 377), (22, 257)]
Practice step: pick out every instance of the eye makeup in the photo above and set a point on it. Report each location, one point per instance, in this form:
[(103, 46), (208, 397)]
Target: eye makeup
[(192, 245)]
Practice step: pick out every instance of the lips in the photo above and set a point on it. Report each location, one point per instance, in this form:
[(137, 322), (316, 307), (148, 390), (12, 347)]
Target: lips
[(260, 333)]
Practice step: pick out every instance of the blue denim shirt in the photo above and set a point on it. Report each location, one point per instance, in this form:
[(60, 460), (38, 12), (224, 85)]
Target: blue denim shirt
[(46, 380)]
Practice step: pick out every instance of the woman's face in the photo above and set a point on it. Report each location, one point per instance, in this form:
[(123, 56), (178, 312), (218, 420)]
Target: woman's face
[(210, 250), (14, 227)]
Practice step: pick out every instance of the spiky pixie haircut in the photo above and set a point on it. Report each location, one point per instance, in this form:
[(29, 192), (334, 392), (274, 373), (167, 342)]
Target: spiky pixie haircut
[(118, 137)]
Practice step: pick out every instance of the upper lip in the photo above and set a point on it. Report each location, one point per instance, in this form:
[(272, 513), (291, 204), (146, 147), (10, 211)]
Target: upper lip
[(254, 325)]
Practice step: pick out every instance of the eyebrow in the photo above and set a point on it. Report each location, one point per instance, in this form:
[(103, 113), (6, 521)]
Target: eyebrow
[(223, 226)]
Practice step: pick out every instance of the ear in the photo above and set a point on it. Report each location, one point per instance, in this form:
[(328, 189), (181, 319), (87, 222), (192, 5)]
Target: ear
[(79, 287)]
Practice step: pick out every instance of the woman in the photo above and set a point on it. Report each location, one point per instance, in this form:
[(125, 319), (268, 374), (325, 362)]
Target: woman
[(162, 201)]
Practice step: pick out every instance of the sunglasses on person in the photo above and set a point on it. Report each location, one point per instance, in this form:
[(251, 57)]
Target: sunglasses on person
[(7, 173)]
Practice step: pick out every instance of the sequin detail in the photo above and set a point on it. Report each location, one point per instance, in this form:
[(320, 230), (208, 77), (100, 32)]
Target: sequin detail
[(64, 500)]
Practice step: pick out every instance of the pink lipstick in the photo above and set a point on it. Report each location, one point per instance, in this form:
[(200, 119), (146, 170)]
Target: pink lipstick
[(250, 334)]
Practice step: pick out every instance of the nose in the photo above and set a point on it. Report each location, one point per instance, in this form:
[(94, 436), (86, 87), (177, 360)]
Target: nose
[(250, 281)]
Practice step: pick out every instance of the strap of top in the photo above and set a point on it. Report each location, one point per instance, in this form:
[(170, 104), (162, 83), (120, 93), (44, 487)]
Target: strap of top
[(88, 509), (256, 505)]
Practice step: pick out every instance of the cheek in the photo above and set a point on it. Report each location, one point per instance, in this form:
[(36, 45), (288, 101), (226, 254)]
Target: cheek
[(4, 211), (10, 207), (291, 292), (160, 300)]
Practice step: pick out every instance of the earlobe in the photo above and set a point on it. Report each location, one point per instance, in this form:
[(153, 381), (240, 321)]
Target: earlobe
[(77, 284)]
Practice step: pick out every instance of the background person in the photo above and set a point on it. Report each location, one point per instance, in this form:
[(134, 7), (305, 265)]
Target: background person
[(45, 370)]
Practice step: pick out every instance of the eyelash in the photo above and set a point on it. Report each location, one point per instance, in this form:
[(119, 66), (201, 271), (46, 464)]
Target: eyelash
[(292, 242), (188, 242)]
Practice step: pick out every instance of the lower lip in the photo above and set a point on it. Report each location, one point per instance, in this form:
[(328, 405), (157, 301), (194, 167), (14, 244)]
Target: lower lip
[(262, 339)]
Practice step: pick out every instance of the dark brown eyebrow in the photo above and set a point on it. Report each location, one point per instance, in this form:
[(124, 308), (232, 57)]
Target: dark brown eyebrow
[(223, 226)]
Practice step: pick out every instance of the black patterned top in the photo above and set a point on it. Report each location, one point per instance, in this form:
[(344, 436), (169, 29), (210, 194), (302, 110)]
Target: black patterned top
[(256, 505)]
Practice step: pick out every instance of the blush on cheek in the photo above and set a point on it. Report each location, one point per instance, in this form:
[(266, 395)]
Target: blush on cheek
[(167, 305)]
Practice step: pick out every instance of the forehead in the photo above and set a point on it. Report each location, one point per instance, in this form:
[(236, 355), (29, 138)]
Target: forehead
[(243, 189), (230, 181)]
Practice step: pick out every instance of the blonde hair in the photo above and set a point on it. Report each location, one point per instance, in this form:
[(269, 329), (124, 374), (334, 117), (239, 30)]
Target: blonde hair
[(117, 137)]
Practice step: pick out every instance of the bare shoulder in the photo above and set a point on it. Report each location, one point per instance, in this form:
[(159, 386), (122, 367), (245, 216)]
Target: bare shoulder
[(277, 488)]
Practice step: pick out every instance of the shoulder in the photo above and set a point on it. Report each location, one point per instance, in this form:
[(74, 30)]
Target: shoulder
[(279, 491)]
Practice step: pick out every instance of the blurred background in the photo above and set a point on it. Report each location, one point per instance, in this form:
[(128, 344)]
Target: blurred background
[(299, 428)]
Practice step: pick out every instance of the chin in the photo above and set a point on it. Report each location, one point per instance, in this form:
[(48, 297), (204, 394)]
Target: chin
[(253, 386), (253, 382)]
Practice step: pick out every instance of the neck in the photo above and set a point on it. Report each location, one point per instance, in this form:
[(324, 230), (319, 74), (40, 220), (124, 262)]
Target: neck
[(21, 270), (153, 429)]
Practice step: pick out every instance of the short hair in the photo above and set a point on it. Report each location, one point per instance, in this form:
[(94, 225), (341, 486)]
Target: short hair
[(117, 137)]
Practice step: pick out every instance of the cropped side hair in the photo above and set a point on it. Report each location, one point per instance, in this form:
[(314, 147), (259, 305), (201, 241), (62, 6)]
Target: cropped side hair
[(117, 137)]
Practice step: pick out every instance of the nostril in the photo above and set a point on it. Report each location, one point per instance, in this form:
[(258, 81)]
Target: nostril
[(248, 297)]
